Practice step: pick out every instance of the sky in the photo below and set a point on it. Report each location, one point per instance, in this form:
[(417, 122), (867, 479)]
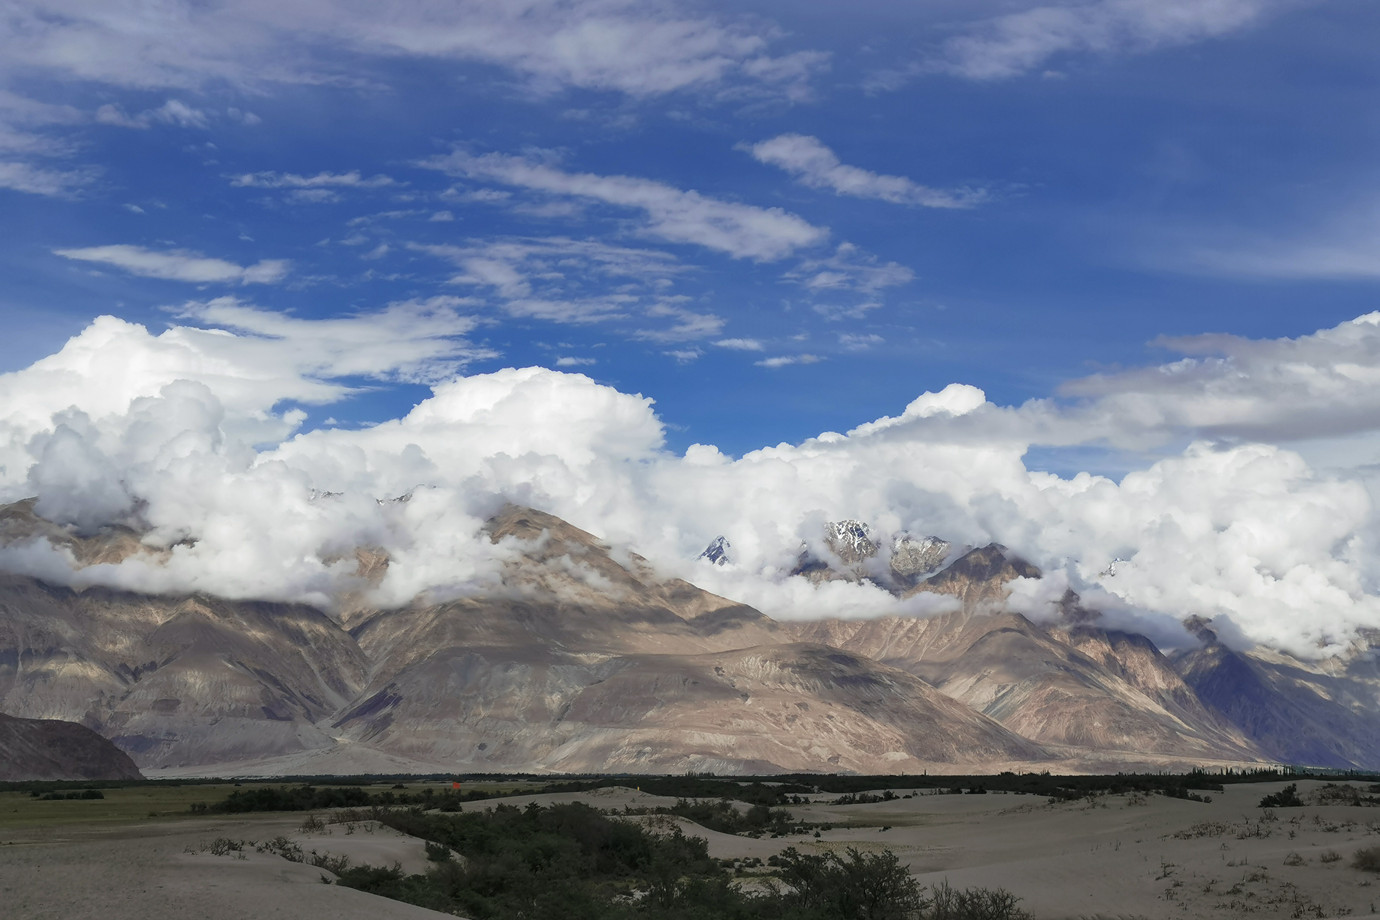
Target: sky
[(1093, 279)]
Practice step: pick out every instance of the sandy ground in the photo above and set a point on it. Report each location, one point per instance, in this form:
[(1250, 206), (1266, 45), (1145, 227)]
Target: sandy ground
[(1111, 857), (162, 870)]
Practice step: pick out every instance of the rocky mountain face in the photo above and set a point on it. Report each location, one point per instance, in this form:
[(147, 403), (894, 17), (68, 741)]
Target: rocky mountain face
[(1322, 712), (638, 675), (48, 749), (584, 662)]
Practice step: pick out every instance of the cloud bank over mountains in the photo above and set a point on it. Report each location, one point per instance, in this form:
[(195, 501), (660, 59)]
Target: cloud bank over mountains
[(198, 435)]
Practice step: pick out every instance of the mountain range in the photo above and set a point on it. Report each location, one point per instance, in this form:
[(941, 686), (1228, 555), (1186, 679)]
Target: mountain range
[(589, 661)]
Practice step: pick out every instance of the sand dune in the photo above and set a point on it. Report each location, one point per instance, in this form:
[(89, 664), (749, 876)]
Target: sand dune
[(1107, 857)]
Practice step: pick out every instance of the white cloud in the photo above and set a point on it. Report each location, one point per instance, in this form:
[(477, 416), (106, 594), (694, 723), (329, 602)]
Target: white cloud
[(817, 166), (848, 268), (1324, 384), (186, 430), (638, 48), (270, 179), (672, 214), (175, 112), (1338, 246), (172, 112), (858, 341), (740, 344), (314, 196), (179, 265), (686, 324), (548, 277), (788, 360), (417, 341), (1020, 42), (575, 362), (35, 180), (684, 355), (113, 115)]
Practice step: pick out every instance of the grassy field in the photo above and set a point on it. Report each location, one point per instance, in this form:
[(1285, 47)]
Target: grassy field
[(128, 805), (139, 802)]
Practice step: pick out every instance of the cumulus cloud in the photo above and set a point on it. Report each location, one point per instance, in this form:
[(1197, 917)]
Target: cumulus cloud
[(1323, 384), (179, 265), (672, 214), (817, 166), (1017, 43), (190, 435)]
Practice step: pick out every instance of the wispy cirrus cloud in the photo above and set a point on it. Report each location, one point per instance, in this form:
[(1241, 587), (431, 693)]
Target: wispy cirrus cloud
[(641, 49), (685, 324), (851, 269), (740, 344), (550, 277), (37, 180), (179, 265), (271, 179), (173, 112), (1017, 43), (416, 341), (1337, 245), (813, 164), (672, 214), (788, 360)]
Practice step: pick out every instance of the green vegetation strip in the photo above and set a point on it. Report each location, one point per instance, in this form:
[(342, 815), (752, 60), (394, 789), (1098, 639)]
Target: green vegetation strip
[(570, 862)]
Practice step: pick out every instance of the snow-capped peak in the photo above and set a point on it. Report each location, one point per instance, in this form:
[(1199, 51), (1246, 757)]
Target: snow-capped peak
[(717, 551)]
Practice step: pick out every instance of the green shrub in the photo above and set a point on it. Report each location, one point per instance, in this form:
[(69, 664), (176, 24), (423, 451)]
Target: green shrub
[(1288, 797), (1367, 859), (855, 886)]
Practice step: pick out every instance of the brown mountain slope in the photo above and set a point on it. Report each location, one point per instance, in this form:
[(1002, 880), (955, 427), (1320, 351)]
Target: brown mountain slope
[(769, 709), (174, 680), (51, 749), (629, 672), (1046, 690)]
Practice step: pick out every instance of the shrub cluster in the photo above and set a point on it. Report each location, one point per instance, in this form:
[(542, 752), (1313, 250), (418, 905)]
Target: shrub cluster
[(84, 794), (1367, 859), (1288, 797), (570, 862)]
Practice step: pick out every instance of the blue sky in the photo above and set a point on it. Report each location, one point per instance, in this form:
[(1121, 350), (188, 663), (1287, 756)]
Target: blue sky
[(1039, 190)]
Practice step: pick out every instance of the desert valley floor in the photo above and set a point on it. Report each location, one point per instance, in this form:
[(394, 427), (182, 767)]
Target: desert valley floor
[(1111, 856)]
